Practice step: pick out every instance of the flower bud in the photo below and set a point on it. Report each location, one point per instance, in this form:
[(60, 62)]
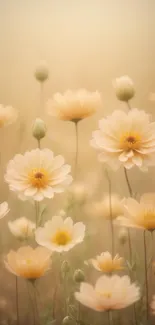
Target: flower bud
[(65, 267), (67, 321), (41, 72), (124, 88), (79, 276), (123, 236), (62, 213), (39, 129)]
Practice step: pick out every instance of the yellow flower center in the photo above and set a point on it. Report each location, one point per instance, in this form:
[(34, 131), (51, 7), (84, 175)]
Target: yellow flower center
[(61, 238), (38, 177), (107, 294), (148, 220), (130, 141)]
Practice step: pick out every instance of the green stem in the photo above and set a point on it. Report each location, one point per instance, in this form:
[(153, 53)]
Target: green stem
[(17, 301), (37, 212), (128, 183), (32, 304), (111, 219), (130, 247), (76, 149), (146, 279), (110, 318), (128, 105), (39, 144), (41, 98)]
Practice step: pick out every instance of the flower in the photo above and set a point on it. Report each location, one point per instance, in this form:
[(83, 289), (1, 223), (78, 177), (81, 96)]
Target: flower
[(79, 192), (139, 214), (22, 228), (74, 105), (153, 305), (37, 174), (39, 129), (78, 276), (29, 263), (126, 139), (124, 88), (8, 115), (102, 208), (105, 263), (110, 292), (4, 209), (41, 72), (60, 235)]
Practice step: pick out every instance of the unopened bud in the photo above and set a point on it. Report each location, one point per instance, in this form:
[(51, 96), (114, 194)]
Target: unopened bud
[(65, 267), (39, 129), (124, 88), (79, 276), (123, 236), (41, 72)]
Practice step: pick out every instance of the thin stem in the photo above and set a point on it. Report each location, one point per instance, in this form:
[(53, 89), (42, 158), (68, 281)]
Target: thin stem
[(41, 98), (17, 301), (146, 280), (130, 247), (37, 212), (110, 318), (36, 303), (128, 183), (39, 144), (76, 149), (32, 304), (129, 106), (111, 219)]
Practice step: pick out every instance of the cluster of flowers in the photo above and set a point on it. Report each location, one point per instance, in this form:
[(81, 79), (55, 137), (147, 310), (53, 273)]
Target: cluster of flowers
[(124, 139)]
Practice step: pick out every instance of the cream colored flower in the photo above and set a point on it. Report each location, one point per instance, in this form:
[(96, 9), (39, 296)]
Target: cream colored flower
[(29, 263), (124, 88), (126, 139), (153, 305), (102, 208), (38, 174), (8, 115), (60, 235), (105, 263), (139, 214), (110, 292), (74, 105), (4, 209), (22, 228)]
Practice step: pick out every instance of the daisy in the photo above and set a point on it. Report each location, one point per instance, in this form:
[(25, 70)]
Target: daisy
[(126, 139), (74, 105), (109, 293), (124, 88), (60, 235), (139, 214), (105, 263), (8, 115), (37, 174), (22, 228), (29, 263)]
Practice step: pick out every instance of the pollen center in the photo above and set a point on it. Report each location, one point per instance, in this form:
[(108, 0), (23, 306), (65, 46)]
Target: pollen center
[(61, 238), (148, 220), (130, 141), (38, 178)]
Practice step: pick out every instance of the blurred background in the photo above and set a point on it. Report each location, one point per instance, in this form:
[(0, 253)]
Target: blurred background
[(86, 44)]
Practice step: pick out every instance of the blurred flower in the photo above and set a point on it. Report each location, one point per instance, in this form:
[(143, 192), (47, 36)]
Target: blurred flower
[(126, 139), (37, 174), (102, 209), (153, 305), (110, 292), (21, 228), (152, 97), (41, 72), (124, 88), (105, 263), (60, 235), (79, 192), (8, 115), (79, 276), (29, 263), (139, 214), (39, 129), (74, 105), (123, 235), (4, 209)]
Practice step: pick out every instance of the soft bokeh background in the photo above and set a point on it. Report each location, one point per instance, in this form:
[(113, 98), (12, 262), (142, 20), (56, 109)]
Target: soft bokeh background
[(86, 43)]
